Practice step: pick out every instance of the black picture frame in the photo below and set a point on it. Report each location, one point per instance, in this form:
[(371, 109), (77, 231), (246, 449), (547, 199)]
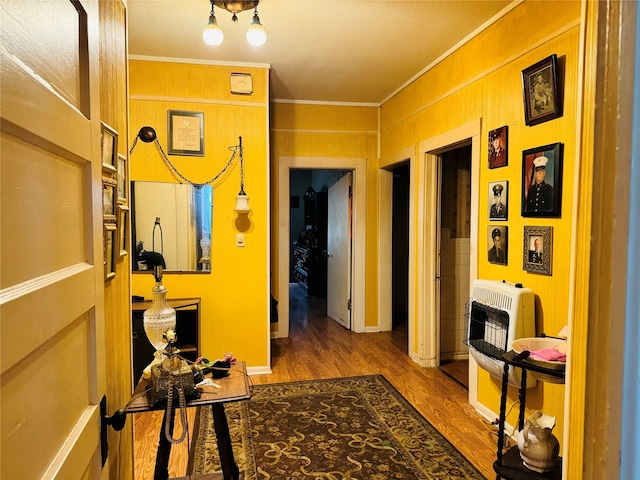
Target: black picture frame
[(497, 253), (498, 151), (185, 133), (545, 200), (498, 198), (540, 261), (540, 91)]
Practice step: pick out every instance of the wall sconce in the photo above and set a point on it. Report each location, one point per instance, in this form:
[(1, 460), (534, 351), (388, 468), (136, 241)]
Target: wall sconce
[(160, 316), (256, 34), (242, 200)]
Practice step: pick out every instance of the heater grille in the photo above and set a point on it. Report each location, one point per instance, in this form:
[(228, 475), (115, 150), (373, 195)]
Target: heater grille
[(488, 329)]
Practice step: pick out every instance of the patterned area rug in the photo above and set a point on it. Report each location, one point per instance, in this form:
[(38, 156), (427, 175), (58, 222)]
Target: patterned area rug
[(344, 428)]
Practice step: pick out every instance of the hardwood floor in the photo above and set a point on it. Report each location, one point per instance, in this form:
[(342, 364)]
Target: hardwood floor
[(318, 347)]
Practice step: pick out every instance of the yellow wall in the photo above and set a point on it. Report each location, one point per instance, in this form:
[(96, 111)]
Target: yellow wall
[(235, 296), (482, 80), (329, 131)]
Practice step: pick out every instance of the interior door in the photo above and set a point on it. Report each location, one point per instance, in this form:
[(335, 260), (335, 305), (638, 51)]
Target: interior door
[(51, 274), (339, 251)]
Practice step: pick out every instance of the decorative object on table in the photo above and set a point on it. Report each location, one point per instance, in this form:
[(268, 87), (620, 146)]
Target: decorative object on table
[(542, 181), (539, 448), (205, 246), (213, 34), (186, 133), (498, 200), (498, 153), (540, 91), (317, 421), (545, 352), (160, 317), (537, 249)]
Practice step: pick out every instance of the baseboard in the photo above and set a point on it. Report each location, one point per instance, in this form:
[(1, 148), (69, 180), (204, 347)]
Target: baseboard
[(265, 370)]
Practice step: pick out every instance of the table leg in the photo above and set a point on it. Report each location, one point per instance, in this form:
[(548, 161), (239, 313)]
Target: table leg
[(164, 448), (230, 470)]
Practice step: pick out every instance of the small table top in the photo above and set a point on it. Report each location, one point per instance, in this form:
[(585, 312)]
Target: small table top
[(233, 388)]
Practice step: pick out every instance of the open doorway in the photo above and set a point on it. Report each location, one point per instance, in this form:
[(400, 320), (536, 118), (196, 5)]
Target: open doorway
[(455, 241), (400, 250)]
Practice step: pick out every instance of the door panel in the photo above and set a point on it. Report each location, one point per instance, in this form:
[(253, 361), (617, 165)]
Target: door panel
[(339, 251), (52, 277)]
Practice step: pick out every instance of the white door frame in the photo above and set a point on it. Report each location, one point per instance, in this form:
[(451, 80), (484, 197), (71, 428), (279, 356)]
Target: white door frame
[(359, 167), (422, 324)]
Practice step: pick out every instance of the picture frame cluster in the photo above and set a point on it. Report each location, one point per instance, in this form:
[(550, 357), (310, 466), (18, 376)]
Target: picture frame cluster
[(115, 201), (541, 174)]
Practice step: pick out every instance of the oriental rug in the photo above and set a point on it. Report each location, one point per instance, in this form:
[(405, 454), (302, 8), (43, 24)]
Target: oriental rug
[(343, 428)]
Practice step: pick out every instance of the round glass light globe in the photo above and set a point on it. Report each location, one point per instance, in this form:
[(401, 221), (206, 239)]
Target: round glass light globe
[(256, 35), (212, 34)]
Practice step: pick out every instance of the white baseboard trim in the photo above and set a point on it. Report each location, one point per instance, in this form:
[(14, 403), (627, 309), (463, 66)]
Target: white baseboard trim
[(265, 370)]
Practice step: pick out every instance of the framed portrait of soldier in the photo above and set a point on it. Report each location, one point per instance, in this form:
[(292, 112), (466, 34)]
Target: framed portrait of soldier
[(542, 181), (498, 139), (537, 249), (497, 241), (497, 195)]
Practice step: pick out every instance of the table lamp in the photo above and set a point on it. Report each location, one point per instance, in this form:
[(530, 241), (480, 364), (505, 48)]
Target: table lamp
[(160, 317)]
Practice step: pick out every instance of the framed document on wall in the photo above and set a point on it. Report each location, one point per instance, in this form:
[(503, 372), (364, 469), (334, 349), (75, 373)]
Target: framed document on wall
[(186, 133)]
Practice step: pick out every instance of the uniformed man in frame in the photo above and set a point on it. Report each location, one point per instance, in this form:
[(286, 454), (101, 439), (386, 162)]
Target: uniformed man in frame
[(497, 253), (498, 209), (540, 193)]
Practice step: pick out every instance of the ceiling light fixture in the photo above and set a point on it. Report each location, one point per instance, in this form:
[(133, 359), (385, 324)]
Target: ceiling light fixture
[(256, 34)]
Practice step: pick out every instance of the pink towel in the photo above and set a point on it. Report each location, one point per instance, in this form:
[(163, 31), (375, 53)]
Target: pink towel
[(549, 354)]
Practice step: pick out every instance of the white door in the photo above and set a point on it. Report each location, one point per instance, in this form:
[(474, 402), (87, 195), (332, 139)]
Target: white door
[(339, 251), (51, 238)]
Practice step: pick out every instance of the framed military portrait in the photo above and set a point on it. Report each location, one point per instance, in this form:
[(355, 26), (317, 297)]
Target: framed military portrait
[(542, 181)]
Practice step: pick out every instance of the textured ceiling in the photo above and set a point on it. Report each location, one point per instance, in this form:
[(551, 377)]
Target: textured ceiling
[(318, 50)]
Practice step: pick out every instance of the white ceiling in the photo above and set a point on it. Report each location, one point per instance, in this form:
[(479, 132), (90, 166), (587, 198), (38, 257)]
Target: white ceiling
[(356, 51)]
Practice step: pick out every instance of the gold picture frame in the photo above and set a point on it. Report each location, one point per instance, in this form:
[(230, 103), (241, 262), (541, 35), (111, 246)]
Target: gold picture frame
[(109, 259), (109, 149), (123, 229)]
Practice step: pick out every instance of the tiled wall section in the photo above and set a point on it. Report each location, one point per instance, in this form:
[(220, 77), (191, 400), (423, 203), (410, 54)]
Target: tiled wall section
[(454, 294)]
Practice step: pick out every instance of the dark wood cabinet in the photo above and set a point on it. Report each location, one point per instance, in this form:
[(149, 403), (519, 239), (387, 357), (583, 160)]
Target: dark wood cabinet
[(187, 332)]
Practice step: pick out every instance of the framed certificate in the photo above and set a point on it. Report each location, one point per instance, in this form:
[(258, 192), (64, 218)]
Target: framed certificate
[(186, 133)]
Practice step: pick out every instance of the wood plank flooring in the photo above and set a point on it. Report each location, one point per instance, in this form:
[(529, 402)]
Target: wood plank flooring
[(318, 348)]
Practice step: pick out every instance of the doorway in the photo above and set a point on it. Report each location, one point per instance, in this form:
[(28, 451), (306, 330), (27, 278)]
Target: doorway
[(400, 248), (358, 268), (454, 234)]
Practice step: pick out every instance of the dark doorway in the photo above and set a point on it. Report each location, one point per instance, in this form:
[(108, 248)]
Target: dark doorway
[(400, 247)]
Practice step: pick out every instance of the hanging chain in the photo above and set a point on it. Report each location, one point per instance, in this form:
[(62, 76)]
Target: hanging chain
[(235, 149)]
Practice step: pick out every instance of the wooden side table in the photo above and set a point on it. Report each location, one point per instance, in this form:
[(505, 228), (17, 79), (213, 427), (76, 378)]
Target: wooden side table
[(233, 388)]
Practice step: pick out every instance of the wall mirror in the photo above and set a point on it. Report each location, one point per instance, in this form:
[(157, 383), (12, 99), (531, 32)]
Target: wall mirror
[(185, 218)]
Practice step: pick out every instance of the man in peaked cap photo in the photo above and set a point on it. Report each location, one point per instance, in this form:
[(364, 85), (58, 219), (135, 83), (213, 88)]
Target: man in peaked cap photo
[(497, 253), (540, 193), (497, 153), (498, 208)]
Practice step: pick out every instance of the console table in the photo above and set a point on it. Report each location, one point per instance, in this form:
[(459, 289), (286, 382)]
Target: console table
[(233, 388)]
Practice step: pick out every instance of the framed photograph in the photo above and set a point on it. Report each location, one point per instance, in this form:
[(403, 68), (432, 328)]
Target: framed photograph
[(498, 147), (542, 181), (497, 238), (109, 252), (537, 249), (540, 91), (109, 149), (498, 196), (186, 133), (109, 200), (123, 179), (123, 229)]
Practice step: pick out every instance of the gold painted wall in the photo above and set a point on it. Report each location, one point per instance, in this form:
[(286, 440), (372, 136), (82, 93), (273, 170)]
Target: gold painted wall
[(235, 296), (329, 131), (482, 80), (117, 292)]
